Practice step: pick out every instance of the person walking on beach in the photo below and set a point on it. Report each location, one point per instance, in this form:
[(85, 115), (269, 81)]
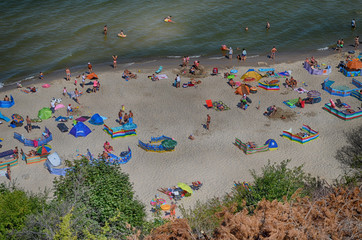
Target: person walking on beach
[(67, 71), (208, 120), (90, 68), (28, 123), (77, 95), (273, 51), (356, 42), (267, 25), (243, 54), (83, 80), (114, 61)]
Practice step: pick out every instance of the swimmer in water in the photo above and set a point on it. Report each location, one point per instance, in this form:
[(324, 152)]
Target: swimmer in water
[(246, 28), (267, 26), (121, 34), (168, 19)]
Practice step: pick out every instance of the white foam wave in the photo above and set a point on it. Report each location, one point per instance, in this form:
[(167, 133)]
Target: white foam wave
[(1, 85), (150, 61), (28, 78), (254, 56), (173, 56), (197, 56), (322, 49), (216, 57), (129, 64)]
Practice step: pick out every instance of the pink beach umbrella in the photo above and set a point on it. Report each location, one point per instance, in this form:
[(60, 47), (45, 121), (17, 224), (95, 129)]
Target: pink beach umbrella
[(58, 106)]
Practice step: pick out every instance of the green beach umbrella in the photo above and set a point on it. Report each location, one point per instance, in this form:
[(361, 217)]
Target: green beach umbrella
[(185, 187), (169, 143), (45, 113)]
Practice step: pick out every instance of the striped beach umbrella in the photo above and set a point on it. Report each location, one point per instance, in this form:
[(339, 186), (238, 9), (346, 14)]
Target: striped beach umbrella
[(44, 149)]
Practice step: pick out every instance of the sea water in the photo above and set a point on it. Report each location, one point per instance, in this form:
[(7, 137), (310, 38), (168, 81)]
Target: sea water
[(50, 35)]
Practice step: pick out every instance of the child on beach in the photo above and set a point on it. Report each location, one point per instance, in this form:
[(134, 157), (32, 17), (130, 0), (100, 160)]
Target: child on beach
[(67, 71), (41, 75), (83, 80), (65, 91), (114, 61), (69, 109)]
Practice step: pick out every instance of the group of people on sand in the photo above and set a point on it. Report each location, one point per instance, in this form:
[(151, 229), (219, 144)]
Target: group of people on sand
[(185, 61), (270, 111), (292, 83), (194, 67), (312, 62), (123, 119)]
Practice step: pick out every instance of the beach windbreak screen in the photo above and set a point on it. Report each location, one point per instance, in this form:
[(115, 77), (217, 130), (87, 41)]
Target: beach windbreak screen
[(50, 35)]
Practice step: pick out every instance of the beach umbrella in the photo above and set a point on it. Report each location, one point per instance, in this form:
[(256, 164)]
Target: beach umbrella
[(17, 118), (45, 113), (43, 149), (1, 139), (354, 64), (313, 94), (185, 187)]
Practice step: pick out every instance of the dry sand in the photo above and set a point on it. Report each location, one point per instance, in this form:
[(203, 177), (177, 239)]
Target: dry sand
[(161, 109)]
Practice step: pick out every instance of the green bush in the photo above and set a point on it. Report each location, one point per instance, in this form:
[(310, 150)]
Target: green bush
[(102, 191), (350, 156), (16, 205), (275, 182)]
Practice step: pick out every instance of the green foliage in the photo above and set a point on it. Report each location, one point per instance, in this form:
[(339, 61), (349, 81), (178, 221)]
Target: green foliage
[(350, 156), (202, 217), (103, 191), (16, 205), (275, 182), (65, 232)]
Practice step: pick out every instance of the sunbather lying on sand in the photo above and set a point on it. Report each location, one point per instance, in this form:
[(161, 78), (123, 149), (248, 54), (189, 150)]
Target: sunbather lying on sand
[(127, 73), (31, 153)]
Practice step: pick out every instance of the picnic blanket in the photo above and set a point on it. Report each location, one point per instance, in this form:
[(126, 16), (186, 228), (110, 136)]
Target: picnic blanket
[(291, 103), (217, 104), (162, 76), (301, 90)]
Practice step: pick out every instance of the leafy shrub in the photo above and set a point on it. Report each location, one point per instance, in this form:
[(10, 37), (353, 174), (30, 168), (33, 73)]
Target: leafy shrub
[(103, 191), (350, 156), (16, 205)]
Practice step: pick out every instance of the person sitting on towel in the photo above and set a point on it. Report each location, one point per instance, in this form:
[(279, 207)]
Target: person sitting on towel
[(107, 146), (105, 155)]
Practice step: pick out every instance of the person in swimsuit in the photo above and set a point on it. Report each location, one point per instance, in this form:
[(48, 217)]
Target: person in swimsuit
[(114, 61), (208, 121), (125, 118), (243, 55), (28, 123), (353, 23), (6, 98), (267, 26), (121, 34), (105, 29), (77, 95), (246, 28), (90, 68), (67, 71), (83, 80), (356, 42), (273, 51), (41, 75), (120, 116)]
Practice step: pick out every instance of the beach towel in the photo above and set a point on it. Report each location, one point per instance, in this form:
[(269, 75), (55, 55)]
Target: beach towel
[(266, 69), (284, 74), (301, 90), (82, 119), (291, 103), (162, 76), (46, 85), (25, 91), (58, 106), (233, 71), (61, 119), (217, 104)]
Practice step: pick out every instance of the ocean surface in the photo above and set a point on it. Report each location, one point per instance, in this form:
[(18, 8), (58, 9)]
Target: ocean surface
[(51, 35)]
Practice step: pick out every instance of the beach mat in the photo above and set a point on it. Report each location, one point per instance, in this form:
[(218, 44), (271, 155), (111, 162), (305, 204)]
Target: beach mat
[(62, 127), (219, 103), (291, 103)]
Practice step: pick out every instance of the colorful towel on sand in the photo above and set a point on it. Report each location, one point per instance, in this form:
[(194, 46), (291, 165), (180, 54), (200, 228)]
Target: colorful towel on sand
[(82, 119), (217, 104), (291, 103), (162, 76), (25, 91), (301, 90)]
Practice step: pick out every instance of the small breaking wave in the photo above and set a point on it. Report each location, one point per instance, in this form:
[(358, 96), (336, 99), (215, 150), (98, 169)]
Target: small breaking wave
[(322, 49)]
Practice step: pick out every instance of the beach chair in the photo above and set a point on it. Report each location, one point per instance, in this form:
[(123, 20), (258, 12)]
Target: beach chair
[(209, 103), (339, 104), (159, 70)]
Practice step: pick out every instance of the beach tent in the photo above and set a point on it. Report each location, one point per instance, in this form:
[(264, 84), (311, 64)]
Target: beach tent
[(45, 113), (243, 89), (272, 144), (92, 76), (54, 159), (80, 130), (251, 73), (96, 119)]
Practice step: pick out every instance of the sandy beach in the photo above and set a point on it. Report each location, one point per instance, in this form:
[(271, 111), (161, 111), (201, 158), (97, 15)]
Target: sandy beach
[(161, 109)]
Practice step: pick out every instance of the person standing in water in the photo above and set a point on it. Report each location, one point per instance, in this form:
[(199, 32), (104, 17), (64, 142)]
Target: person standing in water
[(356, 42), (230, 53), (243, 54), (353, 23), (114, 61), (267, 26), (105, 29), (273, 51)]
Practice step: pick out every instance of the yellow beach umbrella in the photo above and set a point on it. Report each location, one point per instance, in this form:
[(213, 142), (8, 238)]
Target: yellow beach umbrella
[(185, 187)]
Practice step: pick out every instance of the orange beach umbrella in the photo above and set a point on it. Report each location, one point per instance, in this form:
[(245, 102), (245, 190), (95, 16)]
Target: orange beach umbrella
[(354, 64)]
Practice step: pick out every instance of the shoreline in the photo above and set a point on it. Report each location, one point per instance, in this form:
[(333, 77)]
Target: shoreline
[(168, 61)]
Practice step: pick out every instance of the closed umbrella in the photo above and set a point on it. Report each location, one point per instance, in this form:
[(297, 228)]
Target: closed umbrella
[(313, 94), (185, 187), (17, 118)]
